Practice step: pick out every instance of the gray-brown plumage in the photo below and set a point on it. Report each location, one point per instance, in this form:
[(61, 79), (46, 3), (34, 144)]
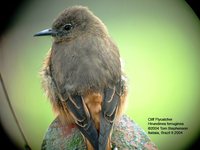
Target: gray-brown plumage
[(82, 75)]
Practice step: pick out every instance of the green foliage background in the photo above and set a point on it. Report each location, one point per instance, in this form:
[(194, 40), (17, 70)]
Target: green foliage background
[(158, 41)]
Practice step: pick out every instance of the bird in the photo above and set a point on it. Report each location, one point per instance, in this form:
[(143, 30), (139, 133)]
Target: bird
[(82, 75)]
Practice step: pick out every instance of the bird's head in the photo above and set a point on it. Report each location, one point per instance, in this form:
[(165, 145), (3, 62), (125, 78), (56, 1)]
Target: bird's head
[(73, 22)]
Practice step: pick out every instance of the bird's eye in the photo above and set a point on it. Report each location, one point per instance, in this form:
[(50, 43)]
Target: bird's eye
[(68, 27)]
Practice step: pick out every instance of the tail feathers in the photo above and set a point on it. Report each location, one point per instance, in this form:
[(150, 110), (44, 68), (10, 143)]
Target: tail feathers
[(78, 110), (105, 128), (109, 108)]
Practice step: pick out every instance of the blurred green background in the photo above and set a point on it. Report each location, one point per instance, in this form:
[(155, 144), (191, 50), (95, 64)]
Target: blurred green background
[(158, 41)]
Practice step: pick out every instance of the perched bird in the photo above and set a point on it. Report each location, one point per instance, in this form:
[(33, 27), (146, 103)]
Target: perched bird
[(82, 75)]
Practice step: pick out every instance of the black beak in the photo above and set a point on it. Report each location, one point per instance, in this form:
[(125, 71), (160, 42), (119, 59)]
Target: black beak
[(46, 32)]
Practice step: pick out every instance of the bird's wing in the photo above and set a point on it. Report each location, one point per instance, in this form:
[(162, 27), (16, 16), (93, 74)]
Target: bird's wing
[(78, 110), (76, 106), (109, 109)]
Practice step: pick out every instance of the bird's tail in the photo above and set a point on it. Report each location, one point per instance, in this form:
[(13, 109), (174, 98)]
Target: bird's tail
[(109, 109)]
